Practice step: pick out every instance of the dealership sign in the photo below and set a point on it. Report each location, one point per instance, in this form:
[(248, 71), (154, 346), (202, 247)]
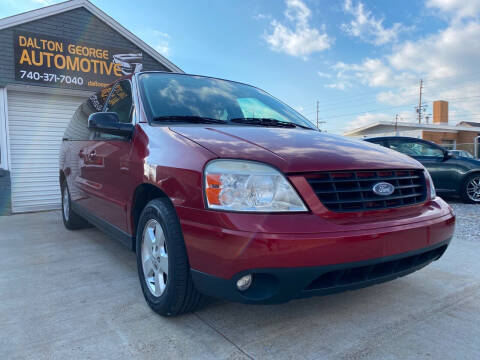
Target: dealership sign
[(59, 62)]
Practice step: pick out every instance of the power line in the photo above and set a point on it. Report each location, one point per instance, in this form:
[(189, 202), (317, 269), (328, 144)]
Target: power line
[(456, 99), (369, 111), (340, 99), (358, 98), (313, 111), (357, 102)]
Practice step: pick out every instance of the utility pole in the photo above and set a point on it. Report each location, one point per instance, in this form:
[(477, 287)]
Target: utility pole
[(318, 118), (396, 124), (419, 110)]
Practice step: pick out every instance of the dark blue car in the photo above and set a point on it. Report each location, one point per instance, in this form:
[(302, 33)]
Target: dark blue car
[(451, 174)]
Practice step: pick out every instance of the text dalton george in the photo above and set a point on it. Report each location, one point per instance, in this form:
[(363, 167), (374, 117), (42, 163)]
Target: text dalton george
[(50, 53)]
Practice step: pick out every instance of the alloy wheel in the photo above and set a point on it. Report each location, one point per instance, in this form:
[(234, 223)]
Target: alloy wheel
[(154, 257), (473, 189)]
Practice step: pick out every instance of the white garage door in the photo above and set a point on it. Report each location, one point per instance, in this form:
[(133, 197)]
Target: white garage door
[(36, 123)]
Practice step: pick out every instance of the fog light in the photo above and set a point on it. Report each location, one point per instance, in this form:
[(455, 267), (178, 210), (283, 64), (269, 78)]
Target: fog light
[(244, 282)]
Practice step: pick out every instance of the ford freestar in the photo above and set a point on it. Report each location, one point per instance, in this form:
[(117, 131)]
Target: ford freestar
[(223, 190)]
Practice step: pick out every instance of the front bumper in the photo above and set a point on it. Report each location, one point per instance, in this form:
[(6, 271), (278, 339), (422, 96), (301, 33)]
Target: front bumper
[(288, 253), (278, 285)]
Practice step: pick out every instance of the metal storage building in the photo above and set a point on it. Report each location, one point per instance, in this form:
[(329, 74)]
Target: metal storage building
[(52, 59)]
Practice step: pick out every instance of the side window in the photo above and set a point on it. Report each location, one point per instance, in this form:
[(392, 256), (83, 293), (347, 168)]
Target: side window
[(416, 148), (120, 101), (98, 100), (77, 129), (378, 142)]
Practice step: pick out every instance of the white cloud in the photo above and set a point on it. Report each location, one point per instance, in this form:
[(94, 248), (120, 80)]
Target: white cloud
[(297, 11), (372, 72), (324, 74), (458, 9), (43, 2), (368, 28), (368, 118), (161, 42), (298, 38), (371, 118), (339, 85), (261, 16), (447, 61), (452, 52)]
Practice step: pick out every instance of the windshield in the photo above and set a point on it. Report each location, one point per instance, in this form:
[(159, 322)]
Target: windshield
[(462, 153), (186, 96)]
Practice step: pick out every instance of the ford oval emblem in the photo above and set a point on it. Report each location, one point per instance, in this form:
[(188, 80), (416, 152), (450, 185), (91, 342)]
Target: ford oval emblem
[(383, 188)]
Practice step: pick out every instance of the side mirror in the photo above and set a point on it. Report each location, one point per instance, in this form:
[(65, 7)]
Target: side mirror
[(448, 155), (109, 123)]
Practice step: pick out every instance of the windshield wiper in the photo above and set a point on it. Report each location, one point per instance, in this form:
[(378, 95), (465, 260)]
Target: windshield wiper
[(188, 118), (268, 122)]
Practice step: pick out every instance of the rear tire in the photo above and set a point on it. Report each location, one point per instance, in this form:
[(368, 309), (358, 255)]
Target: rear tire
[(71, 219), (162, 261), (471, 189)]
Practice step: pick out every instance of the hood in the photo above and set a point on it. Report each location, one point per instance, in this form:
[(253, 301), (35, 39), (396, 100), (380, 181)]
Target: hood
[(295, 150), (468, 162)]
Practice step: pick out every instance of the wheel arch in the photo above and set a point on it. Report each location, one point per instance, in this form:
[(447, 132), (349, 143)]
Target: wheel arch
[(468, 174), (142, 195)]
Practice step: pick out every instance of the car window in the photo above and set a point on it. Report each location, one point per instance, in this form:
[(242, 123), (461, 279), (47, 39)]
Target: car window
[(464, 154), (120, 101), (376, 141), (252, 107), (415, 148), (170, 95), (77, 129)]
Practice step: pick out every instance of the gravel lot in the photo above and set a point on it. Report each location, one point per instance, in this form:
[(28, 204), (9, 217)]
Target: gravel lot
[(468, 221), (75, 295)]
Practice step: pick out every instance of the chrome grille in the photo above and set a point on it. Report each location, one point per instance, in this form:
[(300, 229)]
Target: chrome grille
[(346, 191)]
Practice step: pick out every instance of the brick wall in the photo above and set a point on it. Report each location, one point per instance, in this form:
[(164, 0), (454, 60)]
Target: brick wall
[(438, 137), (78, 25), (465, 140)]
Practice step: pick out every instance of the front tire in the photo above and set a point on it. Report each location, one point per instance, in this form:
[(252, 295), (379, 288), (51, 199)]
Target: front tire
[(471, 189), (162, 261), (71, 219)]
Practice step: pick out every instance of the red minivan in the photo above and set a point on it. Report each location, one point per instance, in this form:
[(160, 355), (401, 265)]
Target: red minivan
[(222, 190)]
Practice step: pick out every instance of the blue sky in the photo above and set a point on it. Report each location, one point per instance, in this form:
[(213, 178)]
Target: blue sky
[(362, 60)]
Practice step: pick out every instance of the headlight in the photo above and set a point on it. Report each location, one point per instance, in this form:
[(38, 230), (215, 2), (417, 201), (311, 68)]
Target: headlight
[(239, 185), (433, 193)]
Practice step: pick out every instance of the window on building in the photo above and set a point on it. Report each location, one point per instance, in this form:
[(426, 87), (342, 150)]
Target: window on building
[(449, 144)]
